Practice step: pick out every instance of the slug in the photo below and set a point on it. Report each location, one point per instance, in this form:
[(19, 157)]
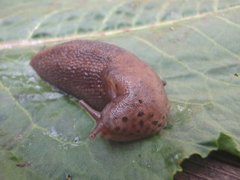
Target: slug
[(124, 95)]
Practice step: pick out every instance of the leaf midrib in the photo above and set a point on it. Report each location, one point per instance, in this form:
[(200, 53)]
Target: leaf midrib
[(97, 34)]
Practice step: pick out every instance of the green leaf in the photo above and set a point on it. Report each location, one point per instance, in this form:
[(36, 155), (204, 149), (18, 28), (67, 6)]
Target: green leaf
[(193, 45)]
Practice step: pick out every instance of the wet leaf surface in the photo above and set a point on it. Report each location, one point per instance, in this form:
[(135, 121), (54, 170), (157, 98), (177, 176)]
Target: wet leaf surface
[(193, 45)]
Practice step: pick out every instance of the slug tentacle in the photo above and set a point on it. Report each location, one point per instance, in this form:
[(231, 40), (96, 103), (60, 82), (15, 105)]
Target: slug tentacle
[(95, 114), (96, 130)]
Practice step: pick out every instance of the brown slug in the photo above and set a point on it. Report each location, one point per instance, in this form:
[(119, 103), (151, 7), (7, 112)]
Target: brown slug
[(125, 96)]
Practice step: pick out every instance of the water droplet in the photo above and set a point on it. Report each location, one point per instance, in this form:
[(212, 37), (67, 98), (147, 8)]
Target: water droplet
[(148, 165), (85, 73), (76, 139), (74, 123), (176, 157), (65, 147), (38, 97), (37, 87), (31, 79), (53, 132), (180, 108)]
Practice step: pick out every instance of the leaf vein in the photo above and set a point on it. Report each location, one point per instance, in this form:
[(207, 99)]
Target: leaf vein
[(36, 27), (214, 42), (25, 43), (173, 58), (109, 15), (228, 22)]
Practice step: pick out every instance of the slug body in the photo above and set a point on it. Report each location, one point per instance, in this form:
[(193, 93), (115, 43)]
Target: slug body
[(125, 96)]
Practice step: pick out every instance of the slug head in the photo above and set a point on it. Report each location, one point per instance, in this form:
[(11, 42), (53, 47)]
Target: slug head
[(130, 121)]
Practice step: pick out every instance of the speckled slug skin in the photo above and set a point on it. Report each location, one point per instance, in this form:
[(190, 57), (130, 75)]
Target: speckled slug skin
[(125, 96)]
